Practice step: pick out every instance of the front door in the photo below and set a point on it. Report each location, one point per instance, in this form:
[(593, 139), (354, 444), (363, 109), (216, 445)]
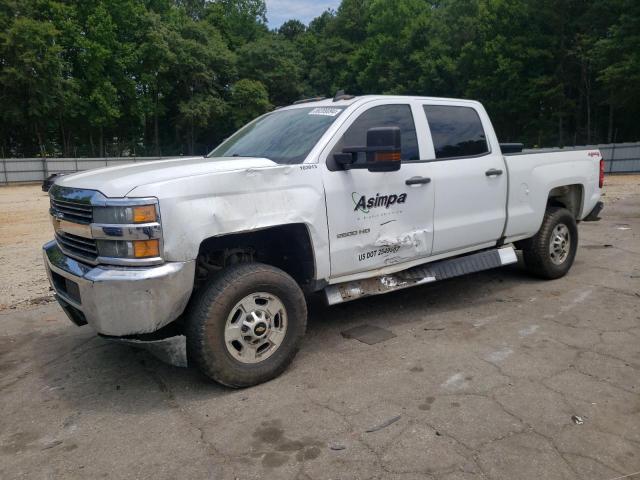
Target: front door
[(378, 219)]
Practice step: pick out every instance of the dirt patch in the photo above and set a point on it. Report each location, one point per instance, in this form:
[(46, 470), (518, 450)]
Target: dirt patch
[(617, 187), (24, 228)]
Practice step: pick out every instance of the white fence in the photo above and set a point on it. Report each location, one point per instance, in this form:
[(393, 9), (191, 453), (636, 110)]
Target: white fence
[(619, 158), (14, 170)]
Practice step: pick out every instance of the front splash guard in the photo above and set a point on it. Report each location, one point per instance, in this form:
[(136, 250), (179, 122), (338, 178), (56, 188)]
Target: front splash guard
[(171, 350)]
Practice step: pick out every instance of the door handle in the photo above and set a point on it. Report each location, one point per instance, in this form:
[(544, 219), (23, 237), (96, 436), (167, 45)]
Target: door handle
[(493, 172), (417, 181)]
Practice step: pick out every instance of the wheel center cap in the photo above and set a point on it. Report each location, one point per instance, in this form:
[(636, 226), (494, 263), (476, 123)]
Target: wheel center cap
[(260, 329)]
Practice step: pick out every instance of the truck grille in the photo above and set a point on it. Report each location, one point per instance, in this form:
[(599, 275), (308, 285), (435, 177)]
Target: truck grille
[(77, 246), (72, 211)]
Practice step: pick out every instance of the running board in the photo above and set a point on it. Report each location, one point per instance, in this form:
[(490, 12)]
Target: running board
[(426, 273)]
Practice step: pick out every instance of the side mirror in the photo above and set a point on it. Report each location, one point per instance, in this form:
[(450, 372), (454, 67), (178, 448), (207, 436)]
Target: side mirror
[(345, 160), (383, 151)]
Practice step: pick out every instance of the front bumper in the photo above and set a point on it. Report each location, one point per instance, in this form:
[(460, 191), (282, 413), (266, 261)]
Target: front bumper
[(119, 301)]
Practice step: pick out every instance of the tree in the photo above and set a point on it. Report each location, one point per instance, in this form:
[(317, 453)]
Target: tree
[(277, 64), (618, 55), (125, 77), (240, 21), (329, 51), (292, 29), (204, 67), (249, 99), (31, 78), (155, 60)]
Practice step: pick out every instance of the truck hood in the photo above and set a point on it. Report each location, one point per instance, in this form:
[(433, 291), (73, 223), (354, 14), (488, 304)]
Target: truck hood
[(120, 180)]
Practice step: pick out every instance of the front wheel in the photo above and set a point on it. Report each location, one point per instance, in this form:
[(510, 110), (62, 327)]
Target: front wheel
[(550, 253), (245, 326)]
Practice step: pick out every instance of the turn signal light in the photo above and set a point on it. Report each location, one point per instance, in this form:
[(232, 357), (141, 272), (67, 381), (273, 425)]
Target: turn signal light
[(387, 156), (144, 214), (146, 248)]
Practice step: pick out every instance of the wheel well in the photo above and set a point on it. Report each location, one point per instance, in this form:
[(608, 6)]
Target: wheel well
[(287, 247), (567, 196)]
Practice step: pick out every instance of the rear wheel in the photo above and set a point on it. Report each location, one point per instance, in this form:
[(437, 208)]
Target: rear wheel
[(246, 325), (550, 252)]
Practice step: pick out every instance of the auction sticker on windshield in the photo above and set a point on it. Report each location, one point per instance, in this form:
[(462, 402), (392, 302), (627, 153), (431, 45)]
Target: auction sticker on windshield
[(326, 111)]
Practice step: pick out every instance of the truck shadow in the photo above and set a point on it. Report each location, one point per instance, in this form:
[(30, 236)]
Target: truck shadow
[(401, 307), (92, 374)]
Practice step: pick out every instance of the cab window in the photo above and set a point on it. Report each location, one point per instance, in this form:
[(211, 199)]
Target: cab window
[(382, 116), (456, 131)]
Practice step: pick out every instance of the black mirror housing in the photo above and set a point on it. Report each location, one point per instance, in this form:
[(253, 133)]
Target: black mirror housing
[(344, 159), (383, 151)]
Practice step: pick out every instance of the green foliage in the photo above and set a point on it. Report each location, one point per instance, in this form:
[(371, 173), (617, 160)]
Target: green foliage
[(249, 99), (292, 29), (31, 78), (123, 77), (617, 55), (276, 63), (240, 21)]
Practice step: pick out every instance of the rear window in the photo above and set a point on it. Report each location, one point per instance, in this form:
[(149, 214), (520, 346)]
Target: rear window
[(456, 131)]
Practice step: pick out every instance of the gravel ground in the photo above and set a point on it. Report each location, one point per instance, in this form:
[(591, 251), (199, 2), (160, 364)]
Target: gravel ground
[(24, 228), (490, 376)]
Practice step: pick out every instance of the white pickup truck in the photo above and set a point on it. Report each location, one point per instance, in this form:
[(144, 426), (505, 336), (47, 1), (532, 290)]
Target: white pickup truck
[(351, 196)]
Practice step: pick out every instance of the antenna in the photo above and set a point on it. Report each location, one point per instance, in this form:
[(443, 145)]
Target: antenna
[(340, 95)]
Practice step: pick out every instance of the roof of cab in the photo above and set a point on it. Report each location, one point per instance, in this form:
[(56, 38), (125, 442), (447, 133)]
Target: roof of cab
[(329, 102)]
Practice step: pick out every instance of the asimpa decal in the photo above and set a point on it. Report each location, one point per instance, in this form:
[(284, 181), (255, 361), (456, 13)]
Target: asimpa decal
[(365, 204)]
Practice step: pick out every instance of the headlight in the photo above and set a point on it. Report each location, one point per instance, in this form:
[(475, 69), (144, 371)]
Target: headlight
[(112, 231), (131, 233), (125, 215), (129, 249)]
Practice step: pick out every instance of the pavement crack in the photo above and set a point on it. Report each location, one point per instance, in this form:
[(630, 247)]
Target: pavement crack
[(187, 417)]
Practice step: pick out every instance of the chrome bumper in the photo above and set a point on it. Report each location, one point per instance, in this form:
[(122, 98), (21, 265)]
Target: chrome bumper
[(119, 301)]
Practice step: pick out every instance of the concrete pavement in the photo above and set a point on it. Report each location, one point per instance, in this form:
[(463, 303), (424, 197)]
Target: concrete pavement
[(494, 375)]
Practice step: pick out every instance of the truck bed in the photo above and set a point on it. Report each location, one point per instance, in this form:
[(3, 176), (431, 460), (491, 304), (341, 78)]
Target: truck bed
[(533, 175)]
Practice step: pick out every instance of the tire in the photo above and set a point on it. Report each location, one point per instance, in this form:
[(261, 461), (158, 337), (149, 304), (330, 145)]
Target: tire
[(539, 258), (222, 341)]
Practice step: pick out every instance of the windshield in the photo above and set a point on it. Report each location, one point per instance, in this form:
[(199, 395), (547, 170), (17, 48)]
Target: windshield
[(285, 136)]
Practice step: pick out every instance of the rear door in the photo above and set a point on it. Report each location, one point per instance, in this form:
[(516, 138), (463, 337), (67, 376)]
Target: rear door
[(376, 219), (469, 177)]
